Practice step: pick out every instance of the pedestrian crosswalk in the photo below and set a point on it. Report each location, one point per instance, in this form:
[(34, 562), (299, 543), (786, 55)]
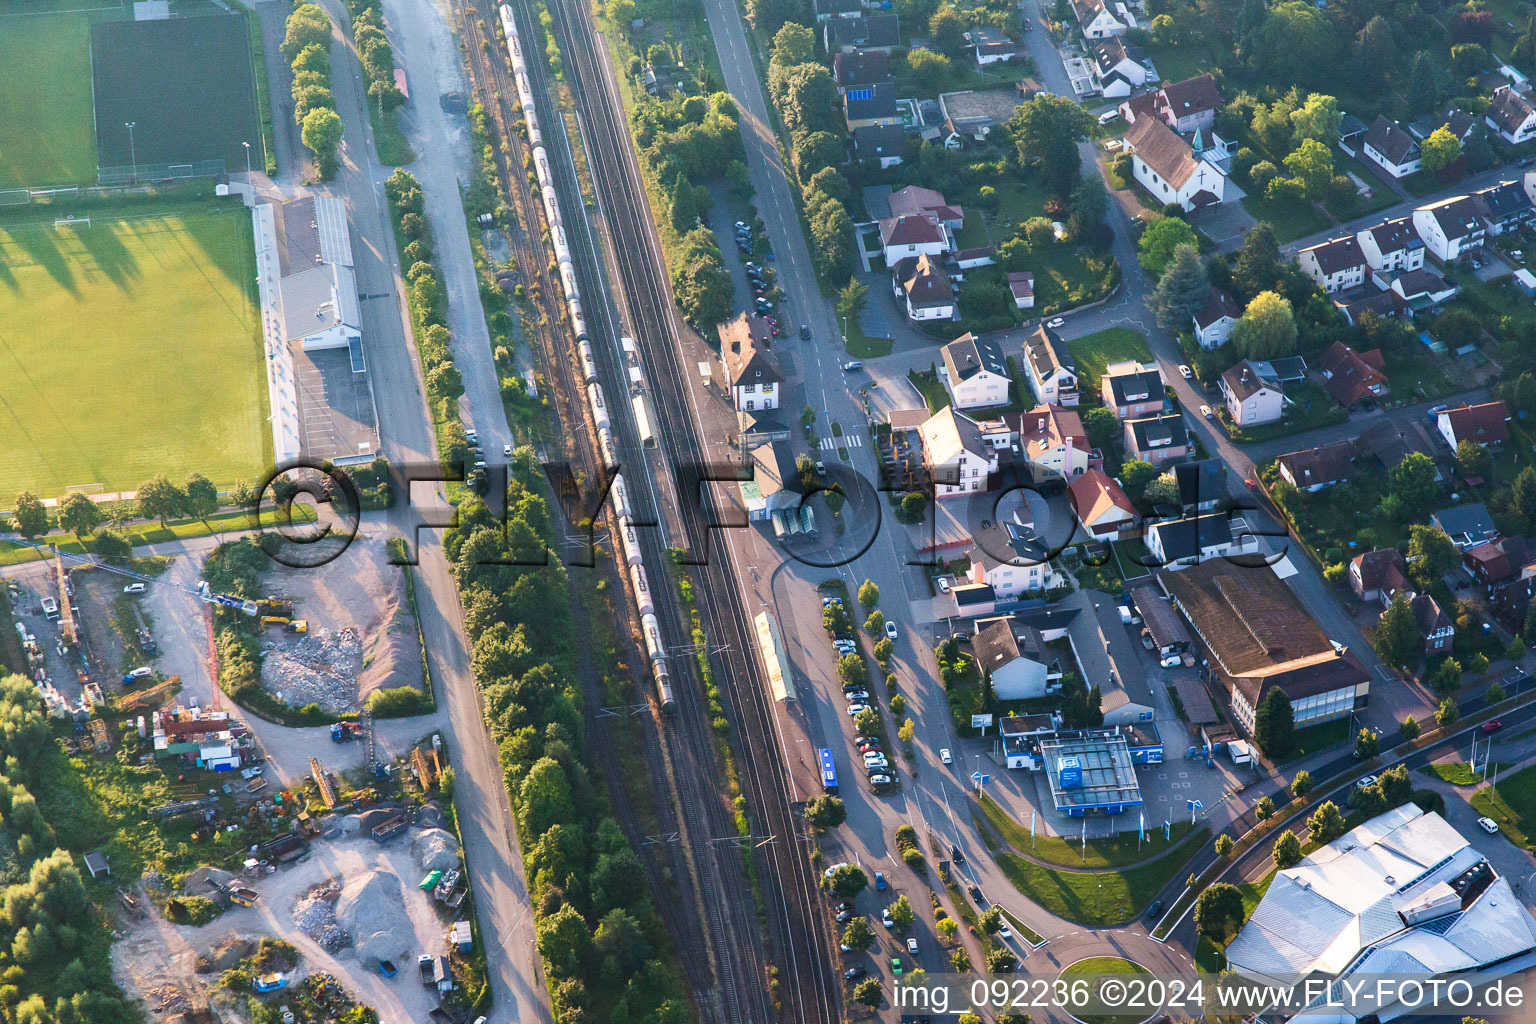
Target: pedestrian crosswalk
[(829, 444)]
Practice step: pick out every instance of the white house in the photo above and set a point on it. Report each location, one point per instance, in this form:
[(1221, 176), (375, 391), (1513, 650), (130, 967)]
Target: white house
[(1053, 440), (1391, 247), (1177, 543), (1021, 283), (1189, 105), (1167, 168), (1486, 424), (1451, 227), (958, 459), (1390, 145), (922, 284), (1016, 656), (1097, 21), (975, 373), (1251, 400), (1131, 390), (1214, 320), (1512, 115), (991, 46), (1102, 506), (1116, 73), (1052, 370), (1012, 559), (1313, 469), (752, 372), (1337, 264), (911, 236)]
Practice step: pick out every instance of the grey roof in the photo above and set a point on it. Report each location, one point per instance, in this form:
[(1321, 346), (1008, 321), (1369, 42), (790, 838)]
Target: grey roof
[(1472, 521), (1457, 217), (861, 67), (1337, 254), (865, 30), (1503, 201), (1201, 481), (1187, 538), (835, 7), (869, 101), (1394, 235), (1047, 353), (1005, 641), (318, 299), (877, 141), (1165, 625), (774, 469), (1391, 140), (313, 230), (968, 355), (1159, 432), (1135, 388)]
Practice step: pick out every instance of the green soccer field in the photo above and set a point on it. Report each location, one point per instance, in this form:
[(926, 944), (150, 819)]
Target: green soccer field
[(47, 131), (127, 349)]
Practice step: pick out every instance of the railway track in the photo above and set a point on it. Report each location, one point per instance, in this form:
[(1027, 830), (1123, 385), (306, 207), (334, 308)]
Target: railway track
[(798, 929), (712, 919)]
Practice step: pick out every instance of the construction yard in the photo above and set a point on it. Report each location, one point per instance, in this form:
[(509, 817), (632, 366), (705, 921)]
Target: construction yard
[(346, 905)]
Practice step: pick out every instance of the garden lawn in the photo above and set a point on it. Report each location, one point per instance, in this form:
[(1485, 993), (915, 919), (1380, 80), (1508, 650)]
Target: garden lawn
[(1290, 220), (1101, 967), (973, 233), (1094, 352), (47, 130), (1100, 898), (1460, 773), (131, 347), (1511, 803), (1119, 851), (932, 389)]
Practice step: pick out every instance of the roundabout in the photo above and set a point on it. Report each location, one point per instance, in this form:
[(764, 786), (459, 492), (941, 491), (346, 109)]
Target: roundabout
[(1106, 974)]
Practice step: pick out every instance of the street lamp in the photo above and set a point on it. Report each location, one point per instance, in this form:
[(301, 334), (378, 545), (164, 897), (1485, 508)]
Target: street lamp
[(247, 146), (132, 155)]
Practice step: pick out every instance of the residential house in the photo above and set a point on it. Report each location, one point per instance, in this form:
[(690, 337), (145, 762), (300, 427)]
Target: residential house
[(881, 144), (1391, 247), (914, 200), (1214, 320), (1454, 120), (751, 371), (1512, 115), (923, 285), (1052, 369), (1389, 442), (1469, 526), (1102, 506), (1336, 265), (975, 373), (1385, 303), (1250, 399), (1353, 377), (1012, 559), (865, 105), (1505, 207), (860, 67), (1143, 104), (1167, 168), (991, 46), (1258, 636), (1179, 543), (1117, 72), (1312, 469), (1435, 627), (1450, 228), (1132, 391), (1499, 562), (1377, 575), (825, 10), (1190, 105), (1351, 132), (1486, 424), (1016, 656), (957, 458), (775, 488), (1392, 147), (1053, 440), (861, 32), (1021, 283), (973, 114), (760, 428), (1098, 21), (1423, 288), (1202, 485), (1156, 439), (911, 236)]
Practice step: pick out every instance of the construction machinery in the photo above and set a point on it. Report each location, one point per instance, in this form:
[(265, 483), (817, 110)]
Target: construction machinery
[(345, 732), (202, 591), (327, 794), (155, 696), (281, 606), (292, 625)]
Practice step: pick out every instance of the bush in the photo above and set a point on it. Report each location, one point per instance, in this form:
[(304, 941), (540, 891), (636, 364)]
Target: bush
[(399, 702)]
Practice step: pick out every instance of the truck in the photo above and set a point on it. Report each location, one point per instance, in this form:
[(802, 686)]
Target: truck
[(427, 969), (271, 982), (387, 829), (242, 896), (344, 732)]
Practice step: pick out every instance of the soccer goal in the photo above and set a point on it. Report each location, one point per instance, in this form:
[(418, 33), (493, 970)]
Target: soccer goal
[(72, 222)]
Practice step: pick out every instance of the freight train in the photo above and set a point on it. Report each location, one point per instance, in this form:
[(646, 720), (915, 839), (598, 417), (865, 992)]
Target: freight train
[(618, 494)]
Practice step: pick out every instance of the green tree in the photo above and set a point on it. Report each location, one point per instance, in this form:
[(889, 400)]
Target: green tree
[(906, 732), (618, 939), (700, 282), (902, 913), (947, 30), (1274, 725), (111, 546), (79, 514), (913, 506), (858, 934), (1265, 808), (307, 26), (1267, 328), (869, 593), (1301, 785), (1311, 164), (874, 625), (1447, 714), (1376, 51), (850, 304), (1397, 633), (1409, 729), (869, 992), (563, 940), (29, 518), (202, 496), (1182, 291), (1219, 911), (314, 57), (1290, 28), (810, 100), (1135, 475), (1258, 266), (1287, 851), (160, 499), (1495, 692), (1516, 648), (1413, 479), (321, 133), (1326, 823), (1431, 554), (1471, 458), (1367, 744), (1317, 119), (1524, 54), (1440, 150), (1162, 491), (1156, 248), (545, 796), (1089, 206), (793, 44), (1467, 61), (826, 811), (1046, 131), (1445, 680), (1223, 845), (1102, 427), (1422, 86), (846, 882), (930, 70), (831, 237), (948, 928)]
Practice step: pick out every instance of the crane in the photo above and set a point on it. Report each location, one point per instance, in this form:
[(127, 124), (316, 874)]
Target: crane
[(202, 591)]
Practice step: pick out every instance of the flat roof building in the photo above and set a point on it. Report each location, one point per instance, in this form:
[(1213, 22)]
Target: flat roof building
[(1091, 773)]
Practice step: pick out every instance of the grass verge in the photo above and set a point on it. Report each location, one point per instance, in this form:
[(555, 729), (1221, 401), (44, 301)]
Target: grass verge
[(1123, 850)]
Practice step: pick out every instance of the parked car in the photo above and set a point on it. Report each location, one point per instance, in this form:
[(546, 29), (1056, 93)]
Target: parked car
[(1003, 931), (886, 919), (1186, 372), (1056, 322), (854, 710), (134, 588), (879, 881), (854, 973), (1488, 825), (857, 696), (943, 584), (1108, 116), (890, 629), (1155, 910), (833, 869), (1365, 782), (1205, 411), (843, 916), (912, 946), (506, 450), (880, 781)]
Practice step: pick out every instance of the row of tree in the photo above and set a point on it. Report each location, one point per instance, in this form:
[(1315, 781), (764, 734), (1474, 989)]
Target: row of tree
[(307, 44), (377, 56)]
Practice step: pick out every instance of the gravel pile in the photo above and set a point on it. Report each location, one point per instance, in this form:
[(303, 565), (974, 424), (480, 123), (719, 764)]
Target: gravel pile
[(314, 668), (372, 909), (315, 915), (435, 849), (167, 999)]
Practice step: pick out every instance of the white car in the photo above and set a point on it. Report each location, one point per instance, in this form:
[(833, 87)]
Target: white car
[(943, 584), (873, 760), (856, 696), (1488, 825), (1056, 322), (890, 629), (912, 946), (1366, 782), (855, 710), (1108, 116), (886, 919), (1003, 931), (833, 869), (1205, 411), (945, 757), (506, 450), (134, 588), (1186, 372)]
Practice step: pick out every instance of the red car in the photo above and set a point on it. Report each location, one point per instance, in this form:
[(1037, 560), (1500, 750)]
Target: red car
[(1493, 726)]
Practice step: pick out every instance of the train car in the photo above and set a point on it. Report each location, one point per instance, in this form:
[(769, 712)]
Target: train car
[(568, 279), (664, 688), (588, 365), (509, 29), (599, 406), (578, 322), (629, 543), (618, 495), (559, 244), (642, 590), (551, 206), (643, 421), (651, 629), (609, 450)]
